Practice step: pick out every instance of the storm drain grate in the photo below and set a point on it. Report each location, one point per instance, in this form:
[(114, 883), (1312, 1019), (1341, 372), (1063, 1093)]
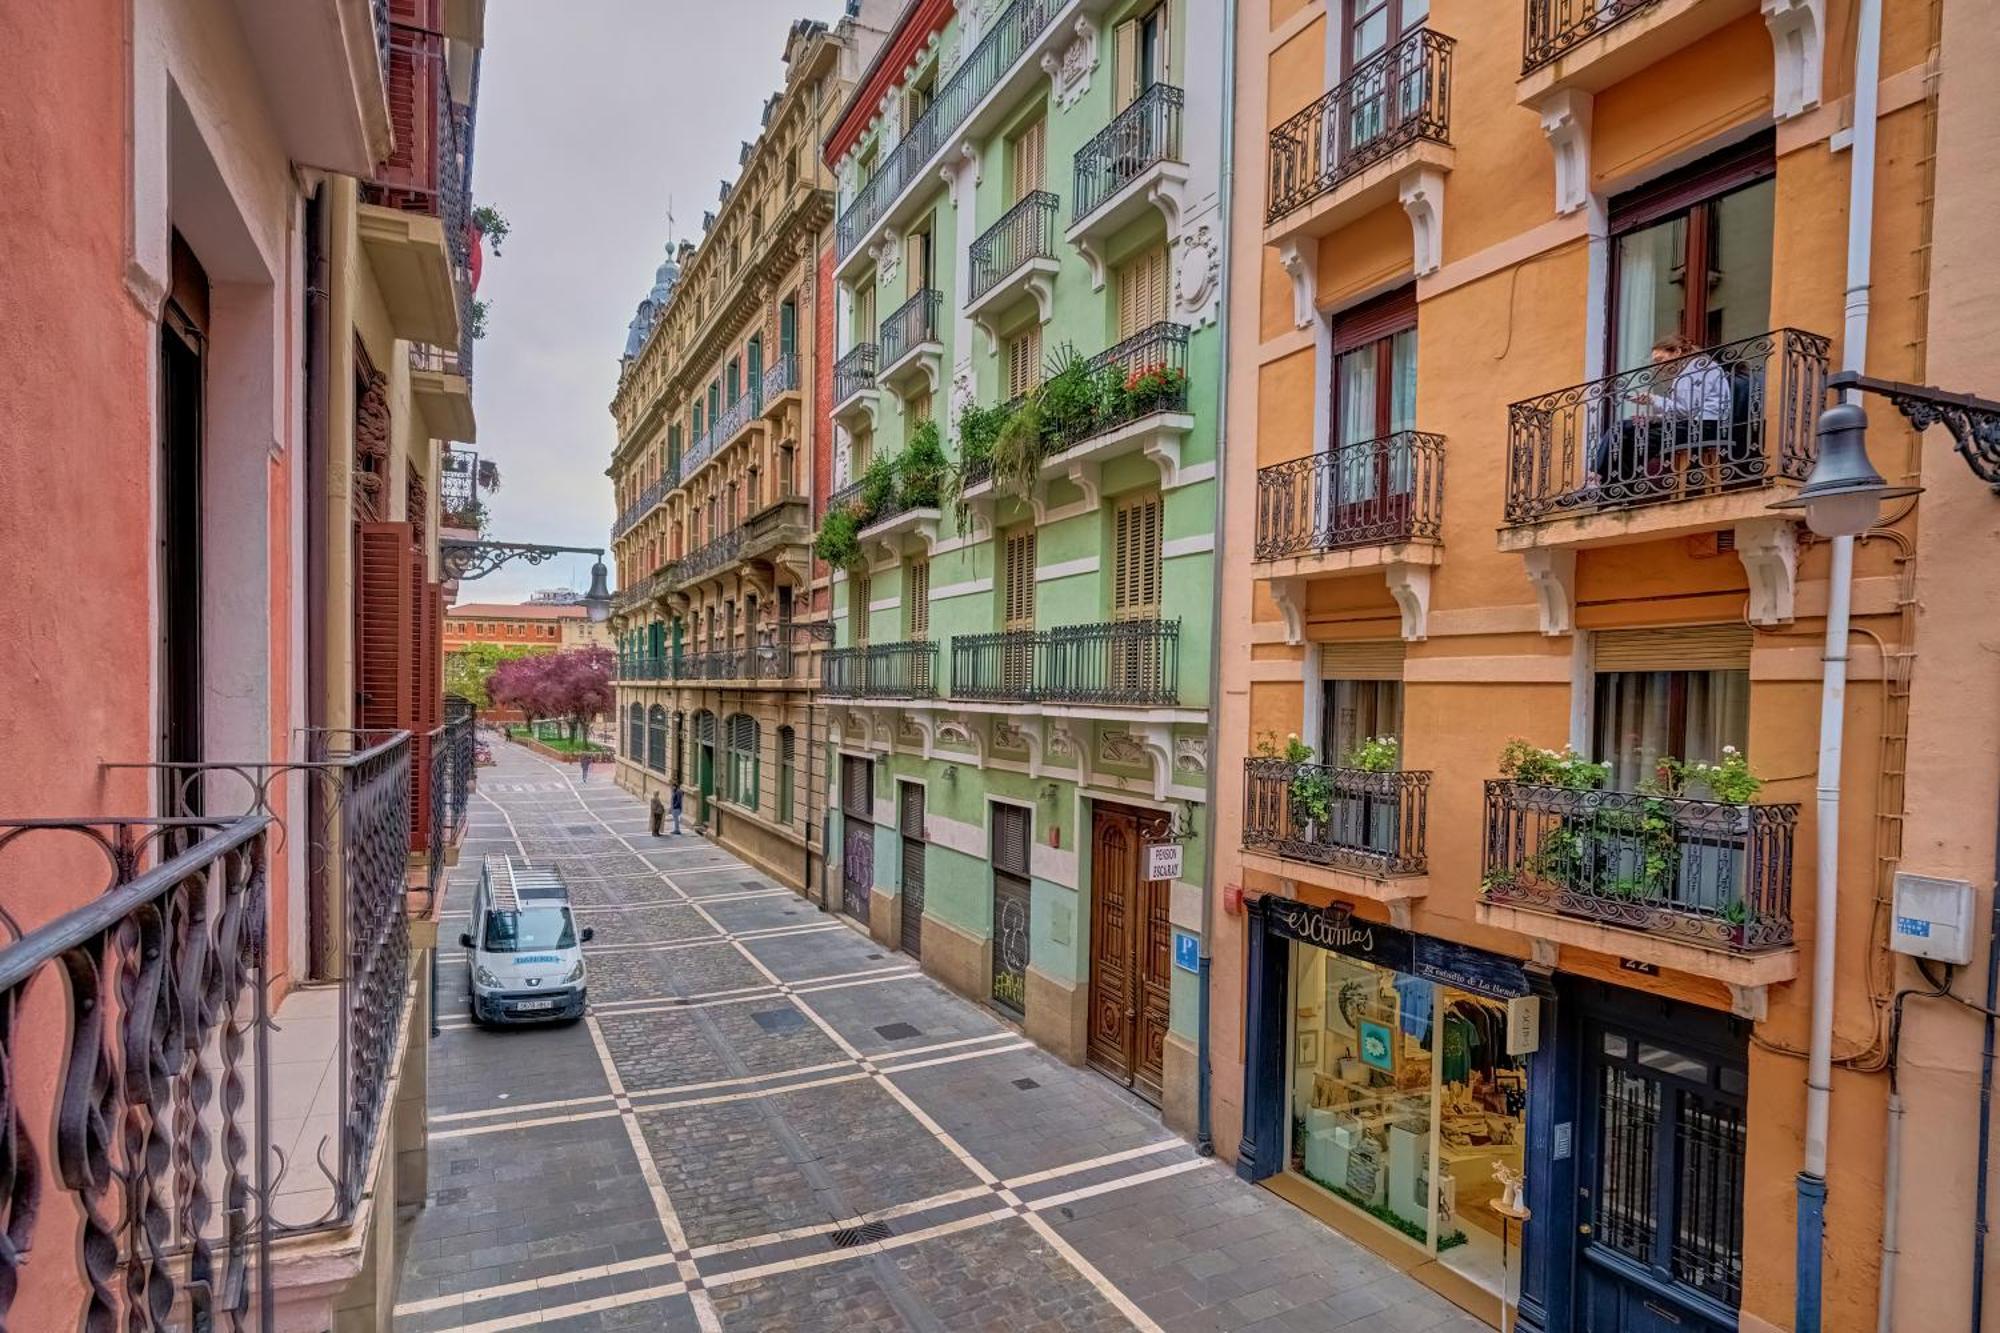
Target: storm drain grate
[(780, 1020), (1024, 1084), (896, 1031), (846, 1238)]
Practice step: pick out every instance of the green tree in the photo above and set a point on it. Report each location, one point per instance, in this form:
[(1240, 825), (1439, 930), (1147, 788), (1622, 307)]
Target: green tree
[(467, 670)]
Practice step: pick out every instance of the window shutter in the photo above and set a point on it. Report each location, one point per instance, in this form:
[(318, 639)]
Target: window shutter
[(1372, 320), (917, 598), (857, 607), (1142, 292), (1020, 572), (857, 788), (1030, 153), (1135, 564), (384, 613), (1011, 834), (1673, 648), (1367, 659), (911, 819), (1024, 361), (1125, 87)]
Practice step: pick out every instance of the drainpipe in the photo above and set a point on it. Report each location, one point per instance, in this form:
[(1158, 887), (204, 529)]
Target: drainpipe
[(1811, 1187), (1204, 1134)]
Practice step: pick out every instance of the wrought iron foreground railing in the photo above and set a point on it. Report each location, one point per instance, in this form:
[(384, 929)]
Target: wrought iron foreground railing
[(1397, 97), (1024, 232), (906, 670), (854, 373), (911, 325), (1353, 817), (124, 1025), (1363, 494), (1703, 872), (454, 767), (1729, 418), (355, 827), (1147, 131), (1129, 662), (1553, 27)]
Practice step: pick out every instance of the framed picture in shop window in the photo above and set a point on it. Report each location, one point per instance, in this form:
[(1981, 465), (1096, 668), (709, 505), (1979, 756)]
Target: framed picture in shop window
[(1307, 1056), (1378, 1045)]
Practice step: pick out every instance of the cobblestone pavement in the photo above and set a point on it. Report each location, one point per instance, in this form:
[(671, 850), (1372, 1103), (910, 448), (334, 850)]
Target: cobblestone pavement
[(768, 1122)]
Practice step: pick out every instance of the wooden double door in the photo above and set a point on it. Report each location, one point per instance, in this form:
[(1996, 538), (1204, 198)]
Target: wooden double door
[(1131, 949)]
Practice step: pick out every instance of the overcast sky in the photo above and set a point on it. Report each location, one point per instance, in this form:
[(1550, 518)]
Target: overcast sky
[(591, 114)]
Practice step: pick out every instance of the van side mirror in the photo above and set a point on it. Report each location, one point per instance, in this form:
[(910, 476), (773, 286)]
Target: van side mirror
[(465, 939), (589, 934)]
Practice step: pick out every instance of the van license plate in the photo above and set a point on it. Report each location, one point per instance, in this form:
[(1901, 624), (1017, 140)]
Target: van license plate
[(529, 1006)]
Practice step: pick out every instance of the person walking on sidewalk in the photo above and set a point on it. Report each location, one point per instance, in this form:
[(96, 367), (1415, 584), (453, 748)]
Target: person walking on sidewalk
[(677, 799), (583, 762), (659, 814)]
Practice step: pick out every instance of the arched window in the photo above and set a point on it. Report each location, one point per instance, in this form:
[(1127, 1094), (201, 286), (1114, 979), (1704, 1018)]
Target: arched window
[(741, 733), (635, 736), (656, 739), (787, 759)]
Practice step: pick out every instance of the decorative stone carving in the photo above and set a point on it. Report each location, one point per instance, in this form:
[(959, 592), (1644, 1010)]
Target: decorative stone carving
[(1769, 550), (1566, 122), (1410, 585), (1422, 193), (908, 732), (889, 256), (1197, 273), (1290, 596), (1300, 260), (1070, 72), (954, 733), (1006, 737), (1553, 572), (1120, 747), (1191, 754), (1798, 42), (1062, 744)]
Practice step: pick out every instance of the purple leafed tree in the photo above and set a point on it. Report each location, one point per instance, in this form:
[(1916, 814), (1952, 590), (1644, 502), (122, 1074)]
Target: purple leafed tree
[(574, 684)]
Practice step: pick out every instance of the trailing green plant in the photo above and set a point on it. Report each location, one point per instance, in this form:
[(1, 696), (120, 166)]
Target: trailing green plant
[(839, 539), (1376, 754), (1017, 450), (492, 224), (1540, 767), (1069, 398), (921, 468), (477, 319), (878, 488), (978, 429)]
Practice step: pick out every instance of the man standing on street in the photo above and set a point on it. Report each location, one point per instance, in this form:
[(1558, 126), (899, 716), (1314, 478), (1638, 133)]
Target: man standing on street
[(659, 813), (677, 809), (583, 762)]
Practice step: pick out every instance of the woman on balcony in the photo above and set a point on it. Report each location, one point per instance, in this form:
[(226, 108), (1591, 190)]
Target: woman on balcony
[(1665, 428)]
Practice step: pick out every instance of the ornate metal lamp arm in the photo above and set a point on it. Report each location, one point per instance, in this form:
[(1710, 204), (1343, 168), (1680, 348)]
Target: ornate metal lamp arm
[(1974, 423), (467, 560)]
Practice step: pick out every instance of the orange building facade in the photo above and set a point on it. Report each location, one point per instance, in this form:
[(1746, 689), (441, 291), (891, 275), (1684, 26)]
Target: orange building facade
[(527, 625), (1531, 309)]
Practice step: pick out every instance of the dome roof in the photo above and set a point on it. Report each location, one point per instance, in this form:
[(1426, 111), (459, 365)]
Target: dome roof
[(665, 278)]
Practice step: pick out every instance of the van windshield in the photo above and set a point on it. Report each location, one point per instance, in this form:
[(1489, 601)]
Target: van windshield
[(529, 929)]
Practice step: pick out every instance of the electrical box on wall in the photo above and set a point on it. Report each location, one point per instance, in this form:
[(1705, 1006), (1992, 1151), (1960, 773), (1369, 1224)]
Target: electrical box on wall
[(1932, 919)]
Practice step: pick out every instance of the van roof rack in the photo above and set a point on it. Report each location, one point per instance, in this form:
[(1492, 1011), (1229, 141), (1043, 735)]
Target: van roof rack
[(512, 879)]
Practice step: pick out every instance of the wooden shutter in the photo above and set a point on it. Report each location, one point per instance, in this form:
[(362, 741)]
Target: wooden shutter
[(1029, 152), (917, 598), (427, 706), (857, 608), (385, 612), (1024, 361), (1363, 659), (1125, 87), (1012, 832), (1019, 561), (1135, 559), (857, 787), (1373, 320), (1673, 648), (1142, 291)]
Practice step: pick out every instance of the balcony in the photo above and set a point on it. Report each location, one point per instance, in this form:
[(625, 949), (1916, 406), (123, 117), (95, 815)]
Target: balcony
[(415, 210), (1698, 886), (412, 262), (1013, 261), (780, 524), (1589, 45), (1342, 828), (324, 79), (912, 346), (738, 417), (1120, 663), (1349, 152), (781, 383), (644, 668), (988, 83), (443, 393), (644, 590), (1356, 505), (855, 396), (655, 491), (1133, 164), (1148, 416), (906, 670), (1687, 446), (770, 662)]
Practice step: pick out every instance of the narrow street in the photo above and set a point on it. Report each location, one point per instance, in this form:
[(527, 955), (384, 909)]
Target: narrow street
[(767, 1122)]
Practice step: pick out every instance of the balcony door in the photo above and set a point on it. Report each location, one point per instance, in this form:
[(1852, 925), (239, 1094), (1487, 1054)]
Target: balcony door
[(183, 424), (1027, 158), (1374, 404), (1385, 92), (1017, 572), (1142, 50), (1135, 596)]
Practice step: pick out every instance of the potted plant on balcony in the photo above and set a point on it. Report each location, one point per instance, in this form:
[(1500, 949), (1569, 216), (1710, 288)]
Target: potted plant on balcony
[(839, 539), (1310, 791), (1068, 400), (878, 489), (1566, 854), (920, 468), (1155, 388), (1375, 801), (1702, 854)]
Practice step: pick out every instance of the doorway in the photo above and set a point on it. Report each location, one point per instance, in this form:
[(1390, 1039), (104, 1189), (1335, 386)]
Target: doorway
[(912, 820), (183, 345), (1131, 950), (857, 858)]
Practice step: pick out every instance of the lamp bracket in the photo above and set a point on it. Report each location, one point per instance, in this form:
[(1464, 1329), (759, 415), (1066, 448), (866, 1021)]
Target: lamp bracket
[(1974, 422), (468, 560)]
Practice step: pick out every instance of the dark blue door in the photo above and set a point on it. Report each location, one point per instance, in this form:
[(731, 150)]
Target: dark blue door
[(1660, 1211)]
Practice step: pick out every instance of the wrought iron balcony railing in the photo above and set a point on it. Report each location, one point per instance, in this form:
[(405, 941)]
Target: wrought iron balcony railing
[(1146, 132), (644, 666), (846, 497), (906, 670), (1395, 98), (1701, 872), (736, 416), (781, 377), (1734, 417), (1350, 817), (436, 360), (913, 323), (638, 592), (1365, 494), (639, 508), (854, 373), (1554, 27), (1005, 41), (1024, 232), (1119, 662), (1151, 370), (709, 557), (454, 768), (148, 1104)]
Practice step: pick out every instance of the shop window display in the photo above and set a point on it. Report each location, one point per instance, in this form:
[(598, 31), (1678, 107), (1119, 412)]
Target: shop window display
[(1399, 1081)]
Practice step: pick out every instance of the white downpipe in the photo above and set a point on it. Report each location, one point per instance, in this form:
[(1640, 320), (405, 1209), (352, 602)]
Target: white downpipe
[(1892, 1185)]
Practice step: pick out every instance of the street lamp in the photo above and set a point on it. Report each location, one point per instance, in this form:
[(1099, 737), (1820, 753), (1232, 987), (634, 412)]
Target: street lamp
[(1843, 493), (598, 600)]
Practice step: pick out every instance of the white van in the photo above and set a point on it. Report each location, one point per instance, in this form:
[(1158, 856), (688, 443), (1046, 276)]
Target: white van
[(524, 948)]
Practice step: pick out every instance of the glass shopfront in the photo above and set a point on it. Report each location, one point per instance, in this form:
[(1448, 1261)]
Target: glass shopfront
[(1405, 1104)]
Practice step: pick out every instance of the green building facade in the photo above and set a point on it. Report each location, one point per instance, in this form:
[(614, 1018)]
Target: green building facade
[(1028, 264)]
